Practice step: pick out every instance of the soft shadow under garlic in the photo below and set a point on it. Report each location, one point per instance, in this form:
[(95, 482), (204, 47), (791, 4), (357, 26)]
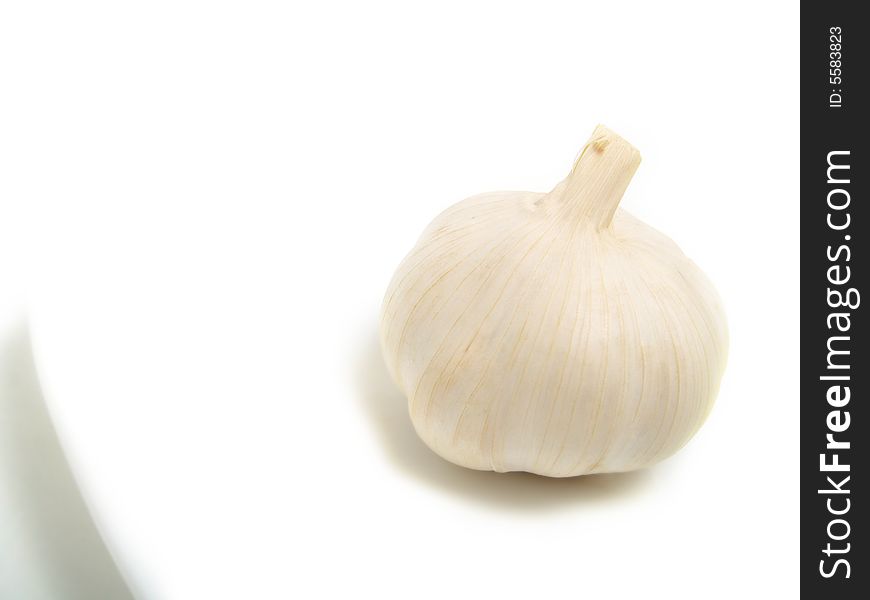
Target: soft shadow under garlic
[(387, 410)]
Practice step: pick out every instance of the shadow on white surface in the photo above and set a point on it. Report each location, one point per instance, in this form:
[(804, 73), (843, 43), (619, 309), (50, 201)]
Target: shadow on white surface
[(49, 546), (387, 409)]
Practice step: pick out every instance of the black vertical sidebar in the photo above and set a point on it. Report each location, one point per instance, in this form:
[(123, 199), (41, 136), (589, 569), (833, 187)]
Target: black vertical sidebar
[(834, 369)]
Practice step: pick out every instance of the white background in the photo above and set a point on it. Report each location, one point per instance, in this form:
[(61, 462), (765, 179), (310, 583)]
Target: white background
[(201, 205)]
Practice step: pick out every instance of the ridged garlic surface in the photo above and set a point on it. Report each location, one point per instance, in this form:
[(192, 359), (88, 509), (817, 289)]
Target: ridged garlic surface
[(554, 333)]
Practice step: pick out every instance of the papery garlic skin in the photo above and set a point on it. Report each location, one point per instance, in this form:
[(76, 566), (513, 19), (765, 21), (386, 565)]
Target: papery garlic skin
[(554, 333)]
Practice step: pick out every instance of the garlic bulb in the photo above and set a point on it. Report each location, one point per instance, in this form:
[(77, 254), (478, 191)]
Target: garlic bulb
[(554, 333)]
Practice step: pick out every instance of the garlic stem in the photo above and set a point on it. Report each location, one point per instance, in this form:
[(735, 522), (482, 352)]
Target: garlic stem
[(595, 185)]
